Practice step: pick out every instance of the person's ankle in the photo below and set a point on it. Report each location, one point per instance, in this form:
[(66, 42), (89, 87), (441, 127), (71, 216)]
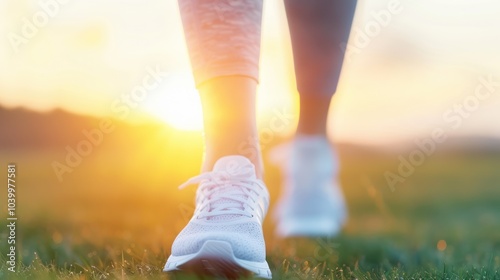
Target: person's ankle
[(210, 158)]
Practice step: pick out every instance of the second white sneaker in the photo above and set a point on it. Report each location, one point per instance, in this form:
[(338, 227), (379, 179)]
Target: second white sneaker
[(224, 237), (312, 203)]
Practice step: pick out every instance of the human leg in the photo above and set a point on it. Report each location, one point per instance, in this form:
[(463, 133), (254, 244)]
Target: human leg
[(224, 236), (223, 39), (312, 203)]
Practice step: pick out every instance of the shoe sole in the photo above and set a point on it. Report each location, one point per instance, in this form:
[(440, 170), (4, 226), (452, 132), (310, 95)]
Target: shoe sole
[(309, 227), (216, 258)]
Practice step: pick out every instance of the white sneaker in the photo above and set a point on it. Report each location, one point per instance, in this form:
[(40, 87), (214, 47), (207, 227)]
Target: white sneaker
[(224, 237), (312, 203)]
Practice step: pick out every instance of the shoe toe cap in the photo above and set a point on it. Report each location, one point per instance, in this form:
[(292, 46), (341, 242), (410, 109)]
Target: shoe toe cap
[(246, 239)]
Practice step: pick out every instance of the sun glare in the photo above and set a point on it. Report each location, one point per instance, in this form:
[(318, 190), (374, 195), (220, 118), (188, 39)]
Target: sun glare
[(177, 103)]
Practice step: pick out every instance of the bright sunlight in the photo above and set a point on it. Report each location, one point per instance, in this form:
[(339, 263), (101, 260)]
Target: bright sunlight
[(177, 103)]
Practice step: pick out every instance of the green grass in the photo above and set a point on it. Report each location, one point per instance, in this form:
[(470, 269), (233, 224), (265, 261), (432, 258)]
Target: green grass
[(104, 223)]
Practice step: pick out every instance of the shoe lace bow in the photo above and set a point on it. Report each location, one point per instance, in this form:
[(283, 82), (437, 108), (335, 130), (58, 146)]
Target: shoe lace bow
[(221, 194)]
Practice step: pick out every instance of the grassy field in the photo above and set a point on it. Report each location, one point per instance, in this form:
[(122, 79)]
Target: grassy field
[(116, 215)]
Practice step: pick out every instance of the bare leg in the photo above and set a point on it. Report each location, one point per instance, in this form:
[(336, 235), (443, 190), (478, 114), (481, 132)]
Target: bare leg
[(313, 115), (223, 38), (229, 120)]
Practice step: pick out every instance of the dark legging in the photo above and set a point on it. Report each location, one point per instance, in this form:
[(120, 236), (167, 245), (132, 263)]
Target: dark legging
[(223, 38)]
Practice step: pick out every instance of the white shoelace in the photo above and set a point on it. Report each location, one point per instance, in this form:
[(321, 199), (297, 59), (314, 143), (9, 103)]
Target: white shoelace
[(224, 195)]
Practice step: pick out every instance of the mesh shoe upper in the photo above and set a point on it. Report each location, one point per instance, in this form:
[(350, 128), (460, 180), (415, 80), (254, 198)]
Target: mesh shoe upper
[(230, 206)]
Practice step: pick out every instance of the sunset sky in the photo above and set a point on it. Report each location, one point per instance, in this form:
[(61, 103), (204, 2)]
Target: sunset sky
[(412, 65)]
